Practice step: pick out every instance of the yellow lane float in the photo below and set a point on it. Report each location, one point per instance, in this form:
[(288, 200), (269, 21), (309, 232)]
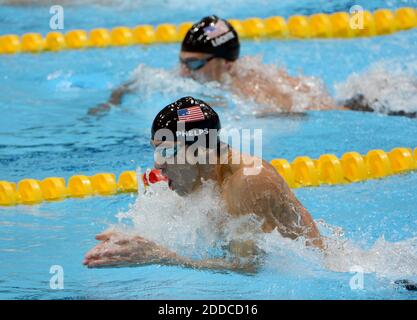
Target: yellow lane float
[(319, 25), (301, 172)]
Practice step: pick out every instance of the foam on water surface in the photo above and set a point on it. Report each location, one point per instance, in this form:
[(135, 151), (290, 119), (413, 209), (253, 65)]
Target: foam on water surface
[(386, 85), (198, 226)]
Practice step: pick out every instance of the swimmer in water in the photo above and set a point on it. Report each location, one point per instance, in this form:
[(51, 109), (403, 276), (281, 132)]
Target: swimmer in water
[(210, 52), (248, 186)]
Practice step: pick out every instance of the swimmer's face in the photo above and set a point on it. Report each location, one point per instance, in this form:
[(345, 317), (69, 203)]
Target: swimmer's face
[(183, 178), (212, 69)]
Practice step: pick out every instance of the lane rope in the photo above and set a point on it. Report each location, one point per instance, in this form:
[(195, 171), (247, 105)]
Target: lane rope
[(301, 172), (320, 25)]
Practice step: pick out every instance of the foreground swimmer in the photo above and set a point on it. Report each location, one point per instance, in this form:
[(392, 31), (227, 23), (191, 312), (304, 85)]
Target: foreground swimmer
[(247, 186)]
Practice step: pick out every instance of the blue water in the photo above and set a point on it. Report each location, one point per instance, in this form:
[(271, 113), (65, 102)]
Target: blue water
[(45, 132)]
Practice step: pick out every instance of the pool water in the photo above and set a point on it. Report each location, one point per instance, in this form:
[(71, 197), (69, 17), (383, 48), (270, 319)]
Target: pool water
[(45, 131)]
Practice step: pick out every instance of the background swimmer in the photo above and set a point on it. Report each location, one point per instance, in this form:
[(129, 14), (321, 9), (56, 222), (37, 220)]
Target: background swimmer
[(264, 194), (210, 52)]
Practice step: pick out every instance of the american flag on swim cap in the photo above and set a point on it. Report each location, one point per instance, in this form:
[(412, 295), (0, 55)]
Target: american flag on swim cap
[(190, 114), (218, 29)]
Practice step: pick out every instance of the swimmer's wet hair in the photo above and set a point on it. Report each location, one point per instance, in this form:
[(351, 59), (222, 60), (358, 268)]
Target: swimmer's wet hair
[(214, 36), (168, 118)]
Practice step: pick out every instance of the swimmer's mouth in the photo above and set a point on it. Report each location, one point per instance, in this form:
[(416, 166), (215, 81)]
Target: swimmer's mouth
[(167, 179)]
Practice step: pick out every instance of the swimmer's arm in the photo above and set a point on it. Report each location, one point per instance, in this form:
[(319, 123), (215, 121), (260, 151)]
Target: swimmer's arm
[(115, 99), (360, 103), (119, 250), (268, 196)]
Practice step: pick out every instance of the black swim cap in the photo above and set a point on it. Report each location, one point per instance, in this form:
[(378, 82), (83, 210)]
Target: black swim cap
[(188, 118), (215, 36)]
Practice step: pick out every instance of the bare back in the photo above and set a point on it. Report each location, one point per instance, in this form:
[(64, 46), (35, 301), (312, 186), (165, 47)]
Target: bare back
[(268, 196)]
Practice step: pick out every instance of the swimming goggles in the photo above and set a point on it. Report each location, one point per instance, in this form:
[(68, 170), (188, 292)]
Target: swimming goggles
[(194, 63)]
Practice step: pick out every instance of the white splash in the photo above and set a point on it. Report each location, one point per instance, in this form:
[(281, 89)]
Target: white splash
[(386, 85), (268, 79), (384, 258), (148, 81), (199, 226), (195, 225), (304, 92)]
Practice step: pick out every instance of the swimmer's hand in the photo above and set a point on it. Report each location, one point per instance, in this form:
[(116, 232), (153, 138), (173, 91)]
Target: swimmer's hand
[(114, 100), (121, 250), (100, 109)]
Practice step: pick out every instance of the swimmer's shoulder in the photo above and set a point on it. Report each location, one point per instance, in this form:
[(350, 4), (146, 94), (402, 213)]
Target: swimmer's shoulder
[(254, 172), (245, 167), (266, 178), (254, 193)]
